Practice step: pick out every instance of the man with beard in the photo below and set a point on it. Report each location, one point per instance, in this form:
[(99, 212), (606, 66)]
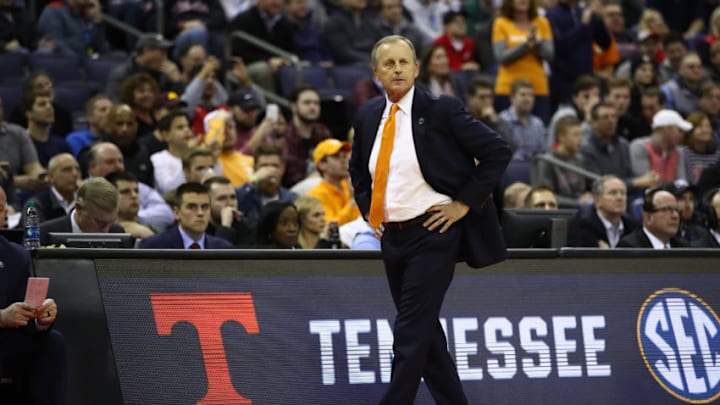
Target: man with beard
[(226, 221), (121, 129), (129, 204), (265, 184), (59, 199), (303, 133), (245, 108), (40, 117), (192, 212)]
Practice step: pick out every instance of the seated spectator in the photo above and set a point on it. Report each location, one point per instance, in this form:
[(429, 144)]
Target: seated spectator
[(714, 225), (709, 103), (18, 32), (570, 187), (660, 223), (459, 47), (95, 211), (606, 222), (700, 148), (266, 21), (585, 95), (391, 21), (652, 100), (714, 65), (96, 113), (59, 199), (331, 159), (19, 164), (197, 164), (351, 33), (105, 158), (615, 22), (365, 89), (139, 92), (129, 204), (205, 92), (644, 77), (167, 164), (618, 94), (675, 48), (428, 16), (190, 55), (607, 153), (514, 195), (541, 198), (237, 79), (659, 152), (197, 21), (150, 57), (40, 116), (278, 226), (236, 166), (76, 27), (522, 43), (313, 231), (226, 221), (164, 104), (192, 212), (434, 73), (303, 133), (709, 38), (528, 131), (39, 81), (480, 104), (244, 107), (683, 92), (307, 33), (29, 345), (692, 229), (121, 129), (265, 185)]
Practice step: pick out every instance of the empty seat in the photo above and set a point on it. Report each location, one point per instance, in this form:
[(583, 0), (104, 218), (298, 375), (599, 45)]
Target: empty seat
[(517, 170), (12, 66), (10, 93), (73, 96), (315, 76), (59, 68), (97, 70), (345, 77)]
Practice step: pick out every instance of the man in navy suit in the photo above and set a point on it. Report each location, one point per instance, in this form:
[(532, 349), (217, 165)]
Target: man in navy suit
[(661, 221), (192, 212), (28, 348), (443, 166)]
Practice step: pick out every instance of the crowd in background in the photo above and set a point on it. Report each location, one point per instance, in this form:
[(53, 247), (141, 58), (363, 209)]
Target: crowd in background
[(612, 108)]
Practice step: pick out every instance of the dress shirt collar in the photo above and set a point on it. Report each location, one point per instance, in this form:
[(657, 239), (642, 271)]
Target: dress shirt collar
[(656, 243), (67, 206), (187, 240), (715, 234), (404, 105), (613, 233), (73, 222)]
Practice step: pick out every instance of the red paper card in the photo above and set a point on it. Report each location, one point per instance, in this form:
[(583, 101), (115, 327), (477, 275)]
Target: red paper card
[(37, 288)]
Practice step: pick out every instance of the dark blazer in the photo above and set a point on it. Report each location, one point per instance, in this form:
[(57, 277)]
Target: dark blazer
[(251, 204), (586, 229), (64, 225), (638, 239), (171, 239), (447, 140)]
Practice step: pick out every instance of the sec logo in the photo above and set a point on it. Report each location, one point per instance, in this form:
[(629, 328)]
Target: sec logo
[(679, 338)]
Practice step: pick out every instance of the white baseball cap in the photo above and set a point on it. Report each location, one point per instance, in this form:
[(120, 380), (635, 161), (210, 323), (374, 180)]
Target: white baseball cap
[(664, 118)]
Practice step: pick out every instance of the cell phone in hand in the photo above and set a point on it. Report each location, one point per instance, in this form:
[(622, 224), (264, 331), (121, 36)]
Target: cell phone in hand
[(272, 111)]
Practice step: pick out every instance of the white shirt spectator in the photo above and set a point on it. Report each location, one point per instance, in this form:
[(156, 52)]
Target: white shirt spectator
[(168, 171)]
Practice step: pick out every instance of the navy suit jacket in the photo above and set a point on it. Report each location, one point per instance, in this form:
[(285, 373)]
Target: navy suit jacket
[(447, 140), (171, 239), (64, 225), (638, 239), (14, 272), (586, 229)]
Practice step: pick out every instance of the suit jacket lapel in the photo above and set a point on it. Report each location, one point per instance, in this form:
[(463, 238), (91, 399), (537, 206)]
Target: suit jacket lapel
[(419, 112), (373, 123)]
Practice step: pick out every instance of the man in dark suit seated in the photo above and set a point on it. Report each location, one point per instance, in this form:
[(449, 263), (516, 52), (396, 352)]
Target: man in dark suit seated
[(606, 223), (192, 212), (661, 221), (96, 211), (59, 199), (226, 221), (29, 349)]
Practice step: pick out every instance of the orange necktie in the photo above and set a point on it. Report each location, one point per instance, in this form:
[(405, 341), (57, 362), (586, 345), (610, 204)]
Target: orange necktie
[(377, 200)]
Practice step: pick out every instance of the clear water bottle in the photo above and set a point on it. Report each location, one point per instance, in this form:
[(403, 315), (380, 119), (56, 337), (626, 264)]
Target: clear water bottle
[(32, 226)]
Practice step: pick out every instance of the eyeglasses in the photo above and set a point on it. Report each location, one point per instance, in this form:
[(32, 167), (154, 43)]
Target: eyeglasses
[(667, 210)]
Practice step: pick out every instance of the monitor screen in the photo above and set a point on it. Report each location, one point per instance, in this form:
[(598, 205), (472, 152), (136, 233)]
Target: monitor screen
[(92, 240), (533, 228)]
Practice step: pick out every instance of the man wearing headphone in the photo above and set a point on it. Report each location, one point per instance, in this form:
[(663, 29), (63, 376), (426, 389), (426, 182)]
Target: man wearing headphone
[(661, 222)]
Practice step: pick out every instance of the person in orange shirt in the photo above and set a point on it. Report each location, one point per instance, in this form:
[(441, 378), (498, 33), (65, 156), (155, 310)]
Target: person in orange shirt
[(236, 166), (522, 42), (331, 158)]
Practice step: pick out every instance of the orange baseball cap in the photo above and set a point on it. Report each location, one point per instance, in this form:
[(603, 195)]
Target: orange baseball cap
[(329, 147)]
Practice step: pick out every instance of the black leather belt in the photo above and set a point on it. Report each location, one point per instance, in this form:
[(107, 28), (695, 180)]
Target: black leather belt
[(399, 226)]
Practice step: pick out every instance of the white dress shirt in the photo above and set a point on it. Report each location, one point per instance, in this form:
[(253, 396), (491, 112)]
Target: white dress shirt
[(67, 206), (407, 195), (656, 243), (613, 234)]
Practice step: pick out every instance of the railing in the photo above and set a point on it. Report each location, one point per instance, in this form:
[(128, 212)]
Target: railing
[(568, 166)]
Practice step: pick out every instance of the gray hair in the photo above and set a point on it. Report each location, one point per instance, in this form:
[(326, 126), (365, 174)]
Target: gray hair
[(389, 40), (100, 193), (598, 186)]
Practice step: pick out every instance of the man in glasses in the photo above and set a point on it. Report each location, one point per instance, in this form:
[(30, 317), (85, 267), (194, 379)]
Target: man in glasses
[(661, 221)]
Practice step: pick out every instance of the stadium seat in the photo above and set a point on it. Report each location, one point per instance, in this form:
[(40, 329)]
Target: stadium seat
[(73, 96), (97, 70), (345, 77), (11, 94), (517, 170), (315, 76), (12, 66), (59, 68)]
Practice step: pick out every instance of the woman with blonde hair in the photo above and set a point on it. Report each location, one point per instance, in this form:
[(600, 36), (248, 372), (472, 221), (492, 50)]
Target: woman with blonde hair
[(313, 230)]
